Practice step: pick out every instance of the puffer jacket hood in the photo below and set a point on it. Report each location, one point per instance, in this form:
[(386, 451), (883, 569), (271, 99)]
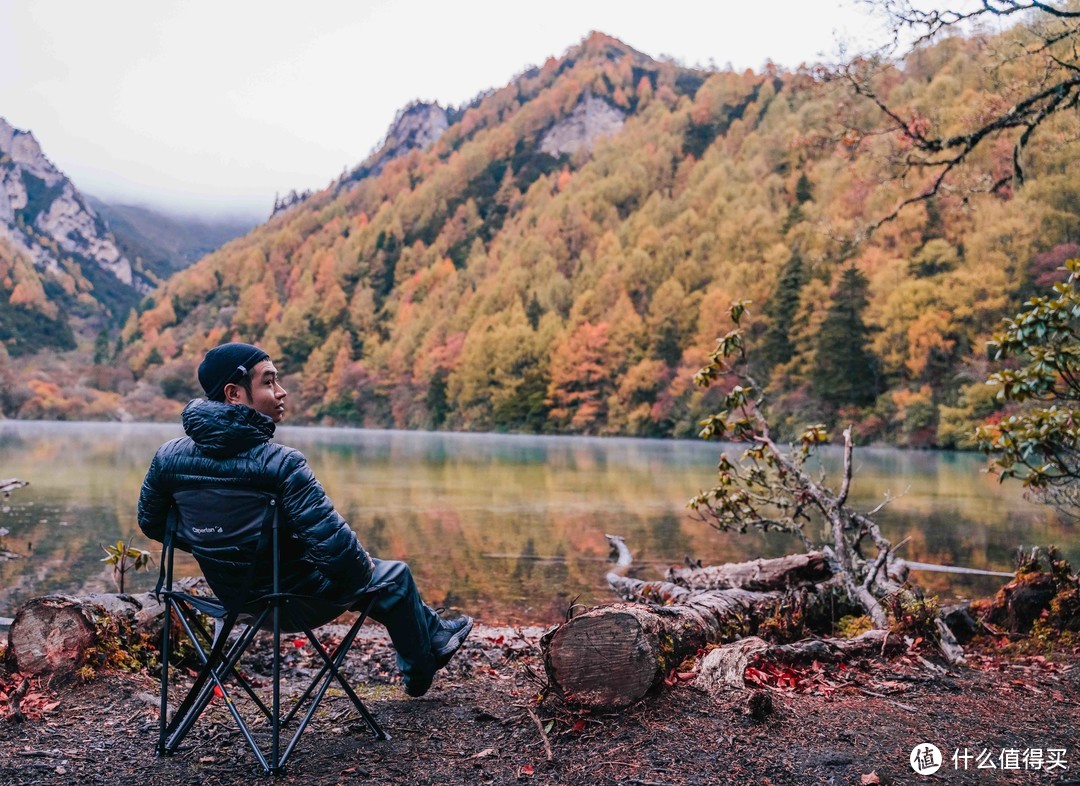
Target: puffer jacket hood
[(222, 430)]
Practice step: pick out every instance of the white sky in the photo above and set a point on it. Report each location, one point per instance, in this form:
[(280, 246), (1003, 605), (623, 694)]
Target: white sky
[(212, 107)]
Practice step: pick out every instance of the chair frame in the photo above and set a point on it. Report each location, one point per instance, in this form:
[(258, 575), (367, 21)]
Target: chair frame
[(220, 663)]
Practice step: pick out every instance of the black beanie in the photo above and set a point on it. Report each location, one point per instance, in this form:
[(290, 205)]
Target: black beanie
[(225, 364)]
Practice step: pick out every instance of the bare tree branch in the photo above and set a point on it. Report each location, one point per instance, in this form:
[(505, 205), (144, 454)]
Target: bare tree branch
[(1053, 91)]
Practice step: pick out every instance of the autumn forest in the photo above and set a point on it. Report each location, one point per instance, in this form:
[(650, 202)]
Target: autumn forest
[(519, 276)]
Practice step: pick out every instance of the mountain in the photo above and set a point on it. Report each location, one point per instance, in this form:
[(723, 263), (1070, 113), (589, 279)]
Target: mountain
[(61, 269), (560, 258), (416, 127), (163, 243)]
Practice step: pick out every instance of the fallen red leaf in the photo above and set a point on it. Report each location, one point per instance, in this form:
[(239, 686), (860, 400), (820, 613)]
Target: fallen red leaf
[(527, 770)]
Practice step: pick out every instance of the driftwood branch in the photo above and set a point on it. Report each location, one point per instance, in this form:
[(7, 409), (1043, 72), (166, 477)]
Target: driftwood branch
[(543, 734), (612, 655), (758, 575), (15, 713), (724, 668), (9, 485)]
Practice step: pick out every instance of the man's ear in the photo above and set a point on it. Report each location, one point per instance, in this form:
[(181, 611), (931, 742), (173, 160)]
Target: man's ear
[(232, 394)]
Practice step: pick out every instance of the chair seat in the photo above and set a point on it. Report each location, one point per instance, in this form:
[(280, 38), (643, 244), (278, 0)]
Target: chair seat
[(297, 611)]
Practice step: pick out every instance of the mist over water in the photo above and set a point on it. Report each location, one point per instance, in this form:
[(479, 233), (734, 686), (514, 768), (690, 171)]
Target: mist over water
[(508, 527)]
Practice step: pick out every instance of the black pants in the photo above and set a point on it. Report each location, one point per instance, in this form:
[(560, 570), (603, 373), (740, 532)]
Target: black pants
[(410, 622)]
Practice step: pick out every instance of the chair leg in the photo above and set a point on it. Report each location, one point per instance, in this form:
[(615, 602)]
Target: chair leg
[(334, 665), (202, 690), (240, 678), (166, 653), (231, 658), (342, 647), (220, 661)]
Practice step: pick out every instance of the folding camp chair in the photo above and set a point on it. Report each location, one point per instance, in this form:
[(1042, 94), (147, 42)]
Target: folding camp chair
[(244, 522)]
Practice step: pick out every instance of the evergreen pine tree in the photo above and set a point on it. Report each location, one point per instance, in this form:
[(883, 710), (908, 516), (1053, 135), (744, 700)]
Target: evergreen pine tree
[(101, 348), (847, 371), (804, 190), (777, 346), (438, 404)]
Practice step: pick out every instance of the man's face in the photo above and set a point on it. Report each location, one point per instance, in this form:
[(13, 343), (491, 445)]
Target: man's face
[(267, 394)]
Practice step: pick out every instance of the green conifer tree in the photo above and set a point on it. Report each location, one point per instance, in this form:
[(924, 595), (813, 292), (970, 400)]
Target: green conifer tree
[(777, 346), (804, 190), (847, 370)]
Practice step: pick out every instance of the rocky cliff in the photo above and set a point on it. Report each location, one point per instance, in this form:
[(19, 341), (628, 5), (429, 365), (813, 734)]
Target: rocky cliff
[(416, 127), (591, 119), (45, 217)]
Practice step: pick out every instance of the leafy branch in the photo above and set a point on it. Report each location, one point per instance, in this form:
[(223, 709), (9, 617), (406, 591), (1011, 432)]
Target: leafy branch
[(768, 489), (1040, 442), (1044, 43)]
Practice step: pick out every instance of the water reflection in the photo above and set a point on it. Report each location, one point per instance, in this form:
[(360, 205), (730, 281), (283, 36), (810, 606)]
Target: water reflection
[(511, 527)]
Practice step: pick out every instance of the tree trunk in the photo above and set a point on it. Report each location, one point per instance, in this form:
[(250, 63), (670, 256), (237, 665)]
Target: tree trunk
[(50, 634), (724, 668), (760, 575), (611, 656)]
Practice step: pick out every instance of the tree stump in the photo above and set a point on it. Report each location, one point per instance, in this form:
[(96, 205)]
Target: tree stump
[(50, 635)]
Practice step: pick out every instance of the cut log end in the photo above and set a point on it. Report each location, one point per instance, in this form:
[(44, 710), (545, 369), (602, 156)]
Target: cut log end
[(607, 660), (50, 635)]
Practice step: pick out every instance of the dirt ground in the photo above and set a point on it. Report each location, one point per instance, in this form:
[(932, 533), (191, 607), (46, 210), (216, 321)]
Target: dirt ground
[(829, 725)]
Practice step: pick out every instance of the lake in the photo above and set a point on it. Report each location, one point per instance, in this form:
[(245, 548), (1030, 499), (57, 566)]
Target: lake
[(509, 528)]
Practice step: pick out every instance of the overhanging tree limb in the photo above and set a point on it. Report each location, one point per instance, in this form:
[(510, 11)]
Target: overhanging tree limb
[(1042, 47)]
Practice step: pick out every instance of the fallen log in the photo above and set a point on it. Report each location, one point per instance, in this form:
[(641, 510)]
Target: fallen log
[(662, 593), (759, 575), (8, 485), (50, 635), (611, 656), (724, 668)]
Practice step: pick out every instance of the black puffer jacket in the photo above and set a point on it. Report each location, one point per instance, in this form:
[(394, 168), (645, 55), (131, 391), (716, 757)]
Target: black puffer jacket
[(229, 445)]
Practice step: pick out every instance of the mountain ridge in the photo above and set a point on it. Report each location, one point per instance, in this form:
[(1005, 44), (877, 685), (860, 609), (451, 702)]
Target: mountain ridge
[(63, 270), (487, 281), (164, 242)]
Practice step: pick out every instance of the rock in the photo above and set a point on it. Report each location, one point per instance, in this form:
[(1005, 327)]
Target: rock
[(960, 622), (416, 127), (591, 119)]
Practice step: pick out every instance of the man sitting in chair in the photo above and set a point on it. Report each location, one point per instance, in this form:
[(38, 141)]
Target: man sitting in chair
[(228, 443)]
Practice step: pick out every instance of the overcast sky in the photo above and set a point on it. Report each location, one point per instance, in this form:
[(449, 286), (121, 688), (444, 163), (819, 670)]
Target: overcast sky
[(213, 107)]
